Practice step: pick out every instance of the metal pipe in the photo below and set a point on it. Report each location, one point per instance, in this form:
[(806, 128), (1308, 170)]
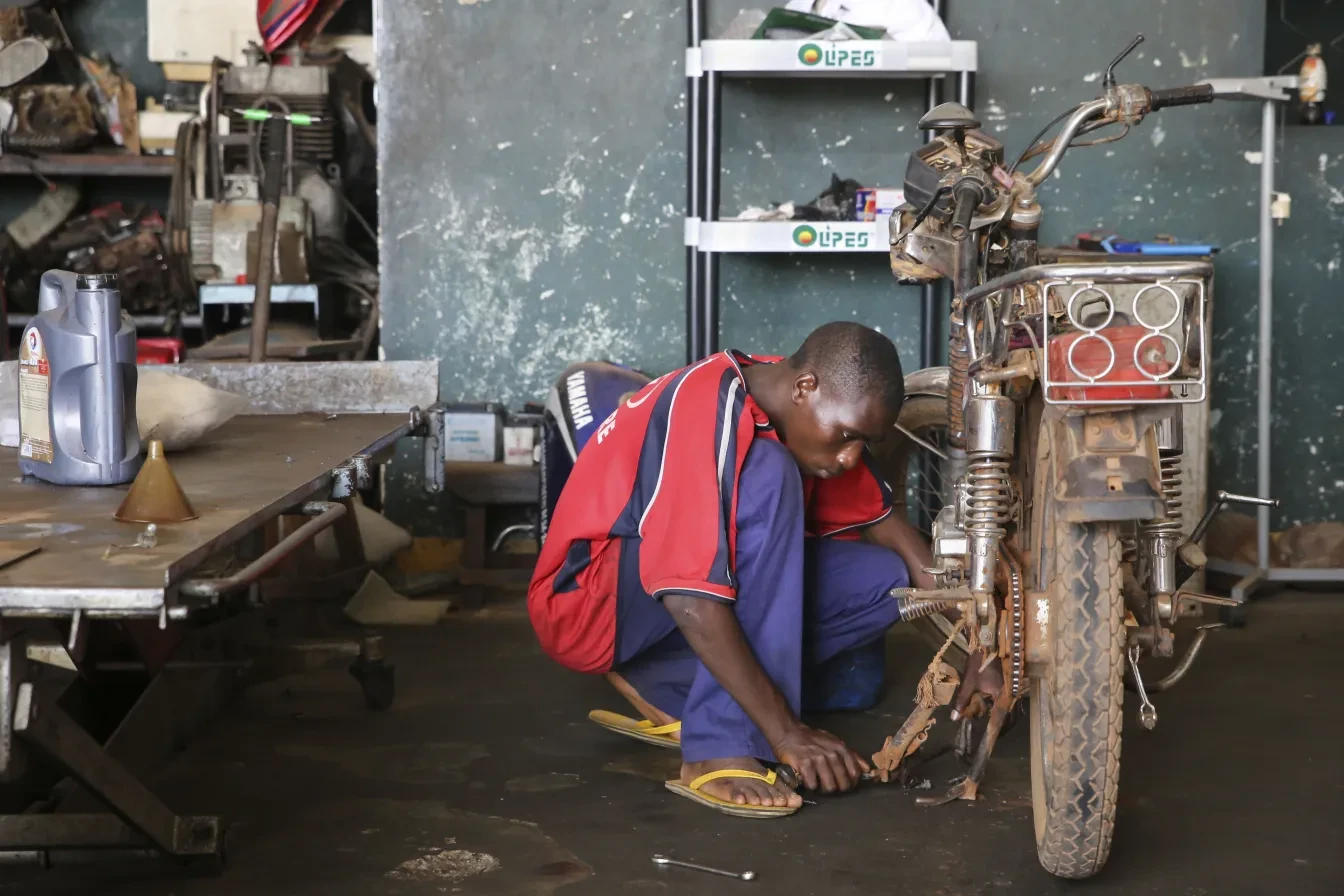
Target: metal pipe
[(324, 513), (1266, 392), (695, 18), (266, 240), (709, 319), (1081, 116)]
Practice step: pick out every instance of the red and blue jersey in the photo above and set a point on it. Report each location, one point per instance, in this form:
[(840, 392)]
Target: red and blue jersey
[(663, 468)]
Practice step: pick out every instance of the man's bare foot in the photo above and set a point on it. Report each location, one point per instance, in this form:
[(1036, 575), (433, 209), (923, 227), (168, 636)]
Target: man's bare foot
[(743, 791), (642, 706)]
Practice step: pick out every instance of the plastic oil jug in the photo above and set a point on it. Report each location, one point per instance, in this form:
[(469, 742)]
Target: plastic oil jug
[(77, 381)]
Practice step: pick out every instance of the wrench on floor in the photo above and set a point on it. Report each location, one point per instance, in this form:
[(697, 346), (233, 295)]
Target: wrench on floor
[(740, 875)]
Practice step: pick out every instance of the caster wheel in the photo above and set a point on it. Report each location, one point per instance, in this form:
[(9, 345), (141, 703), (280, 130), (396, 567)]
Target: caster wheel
[(377, 680)]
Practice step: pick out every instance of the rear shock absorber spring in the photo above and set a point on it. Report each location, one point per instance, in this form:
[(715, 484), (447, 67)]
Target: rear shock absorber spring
[(1169, 475), (958, 362), (989, 497)]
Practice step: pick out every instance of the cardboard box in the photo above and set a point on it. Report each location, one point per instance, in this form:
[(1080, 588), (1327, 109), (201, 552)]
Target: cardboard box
[(471, 436)]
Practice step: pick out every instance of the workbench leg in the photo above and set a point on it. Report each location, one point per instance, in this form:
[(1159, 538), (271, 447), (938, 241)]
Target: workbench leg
[(49, 729), (13, 666), (349, 545)]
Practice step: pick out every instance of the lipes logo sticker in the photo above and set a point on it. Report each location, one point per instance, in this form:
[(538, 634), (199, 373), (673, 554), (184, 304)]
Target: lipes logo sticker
[(804, 236), (809, 54)]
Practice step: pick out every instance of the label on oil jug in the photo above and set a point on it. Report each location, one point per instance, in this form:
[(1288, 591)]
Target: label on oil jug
[(34, 398)]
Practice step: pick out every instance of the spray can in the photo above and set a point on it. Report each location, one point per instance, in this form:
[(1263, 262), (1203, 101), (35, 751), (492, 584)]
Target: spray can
[(1311, 85), (77, 382)]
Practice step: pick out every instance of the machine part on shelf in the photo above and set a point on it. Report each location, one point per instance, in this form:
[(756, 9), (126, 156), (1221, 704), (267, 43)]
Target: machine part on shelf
[(989, 493), (937, 686), (1016, 622), (266, 239), (968, 788), (324, 513), (1147, 712), (664, 861), (51, 118), (155, 495), (291, 90), (297, 119), (44, 216), (223, 240)]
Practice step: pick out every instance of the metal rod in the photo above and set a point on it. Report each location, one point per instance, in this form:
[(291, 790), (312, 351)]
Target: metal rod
[(266, 239), (324, 513), (695, 86), (1266, 391), (923, 443), (930, 341), (709, 320)]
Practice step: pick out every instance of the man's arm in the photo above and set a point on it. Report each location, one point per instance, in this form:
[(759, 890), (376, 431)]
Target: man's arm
[(895, 533), (821, 759)]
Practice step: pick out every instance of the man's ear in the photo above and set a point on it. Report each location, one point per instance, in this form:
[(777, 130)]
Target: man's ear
[(804, 385)]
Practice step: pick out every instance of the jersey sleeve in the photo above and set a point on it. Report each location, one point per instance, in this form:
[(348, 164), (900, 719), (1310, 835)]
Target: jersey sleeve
[(847, 503), (688, 531)]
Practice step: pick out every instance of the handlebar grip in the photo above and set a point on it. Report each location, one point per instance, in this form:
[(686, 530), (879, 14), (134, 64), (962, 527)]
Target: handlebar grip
[(1181, 96), (966, 196)]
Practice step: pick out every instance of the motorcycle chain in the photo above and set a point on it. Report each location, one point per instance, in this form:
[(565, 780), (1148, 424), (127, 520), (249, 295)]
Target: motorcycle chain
[(1016, 599)]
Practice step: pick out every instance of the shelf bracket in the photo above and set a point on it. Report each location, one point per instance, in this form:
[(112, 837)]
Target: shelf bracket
[(691, 232), (694, 66)]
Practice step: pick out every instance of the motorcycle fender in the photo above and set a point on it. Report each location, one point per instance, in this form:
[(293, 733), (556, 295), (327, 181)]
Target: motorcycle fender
[(928, 381), (1105, 468)]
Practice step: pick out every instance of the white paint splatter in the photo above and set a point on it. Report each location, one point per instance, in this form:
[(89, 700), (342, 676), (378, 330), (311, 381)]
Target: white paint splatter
[(994, 112), (1090, 77), (1157, 62), (1187, 62), (845, 141), (628, 14), (1255, 158), (1042, 611), (765, 154), (888, 97), (410, 230), (546, 295), (505, 145), (1157, 136), (1332, 266), (1323, 162), (625, 218)]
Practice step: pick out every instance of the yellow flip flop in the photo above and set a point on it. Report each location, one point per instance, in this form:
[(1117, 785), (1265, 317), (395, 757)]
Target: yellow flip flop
[(692, 791), (640, 729)]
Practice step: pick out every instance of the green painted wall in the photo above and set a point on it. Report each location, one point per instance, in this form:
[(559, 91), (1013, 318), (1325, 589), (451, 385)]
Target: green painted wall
[(533, 186)]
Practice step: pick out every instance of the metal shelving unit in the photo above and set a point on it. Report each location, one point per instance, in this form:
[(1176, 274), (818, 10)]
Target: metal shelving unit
[(708, 63)]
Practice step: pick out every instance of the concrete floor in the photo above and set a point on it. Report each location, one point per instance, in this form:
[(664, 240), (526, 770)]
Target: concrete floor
[(486, 778)]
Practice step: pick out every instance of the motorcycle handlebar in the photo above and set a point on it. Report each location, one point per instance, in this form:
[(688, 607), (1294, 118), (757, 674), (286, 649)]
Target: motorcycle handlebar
[(966, 196), (1181, 96)]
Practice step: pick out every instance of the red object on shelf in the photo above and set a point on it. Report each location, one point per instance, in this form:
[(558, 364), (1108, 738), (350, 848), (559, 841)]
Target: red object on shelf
[(1093, 355), (159, 350)]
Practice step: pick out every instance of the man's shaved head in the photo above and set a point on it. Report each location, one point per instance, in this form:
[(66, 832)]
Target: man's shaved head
[(852, 362)]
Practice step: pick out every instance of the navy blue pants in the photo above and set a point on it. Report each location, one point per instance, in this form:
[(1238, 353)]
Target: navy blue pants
[(800, 601)]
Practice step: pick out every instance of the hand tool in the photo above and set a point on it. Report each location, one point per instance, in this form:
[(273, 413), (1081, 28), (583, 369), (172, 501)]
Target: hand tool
[(740, 875), (790, 778)]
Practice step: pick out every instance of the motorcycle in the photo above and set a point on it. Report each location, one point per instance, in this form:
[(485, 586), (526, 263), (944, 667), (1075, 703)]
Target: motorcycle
[(1044, 462)]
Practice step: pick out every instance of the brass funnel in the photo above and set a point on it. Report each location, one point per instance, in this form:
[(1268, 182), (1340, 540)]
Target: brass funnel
[(155, 496)]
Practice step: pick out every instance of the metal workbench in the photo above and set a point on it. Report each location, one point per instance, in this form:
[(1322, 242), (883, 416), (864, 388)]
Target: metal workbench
[(314, 436)]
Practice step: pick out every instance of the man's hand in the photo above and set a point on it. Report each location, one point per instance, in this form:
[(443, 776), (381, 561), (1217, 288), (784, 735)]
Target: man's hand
[(979, 677), (894, 533), (821, 759)]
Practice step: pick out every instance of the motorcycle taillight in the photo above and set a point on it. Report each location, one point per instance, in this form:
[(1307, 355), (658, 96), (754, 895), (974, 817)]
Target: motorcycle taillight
[(1110, 356)]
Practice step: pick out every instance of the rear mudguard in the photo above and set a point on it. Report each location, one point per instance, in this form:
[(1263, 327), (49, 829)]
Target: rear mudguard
[(1104, 464), (929, 381)]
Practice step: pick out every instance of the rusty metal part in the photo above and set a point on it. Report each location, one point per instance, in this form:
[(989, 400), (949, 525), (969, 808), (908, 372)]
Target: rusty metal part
[(937, 686), (916, 603), (959, 361), (1182, 666), (968, 788), (1016, 624), (324, 514)]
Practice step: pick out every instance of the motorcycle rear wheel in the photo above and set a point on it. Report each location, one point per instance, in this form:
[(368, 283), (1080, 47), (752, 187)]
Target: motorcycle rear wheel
[(1076, 707)]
